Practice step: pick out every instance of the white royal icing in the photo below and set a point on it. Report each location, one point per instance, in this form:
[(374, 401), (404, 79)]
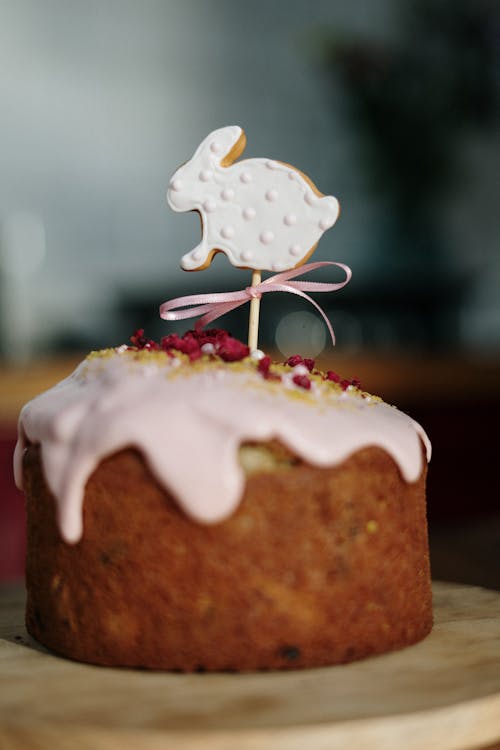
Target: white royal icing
[(261, 213)]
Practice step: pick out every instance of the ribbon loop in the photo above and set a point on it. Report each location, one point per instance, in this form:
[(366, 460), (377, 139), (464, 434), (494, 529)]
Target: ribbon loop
[(253, 293), (212, 306)]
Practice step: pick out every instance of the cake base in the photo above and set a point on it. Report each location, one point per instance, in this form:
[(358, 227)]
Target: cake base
[(443, 693), (316, 567)]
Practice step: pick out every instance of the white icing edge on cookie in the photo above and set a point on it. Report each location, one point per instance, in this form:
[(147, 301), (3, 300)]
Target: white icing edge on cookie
[(261, 213)]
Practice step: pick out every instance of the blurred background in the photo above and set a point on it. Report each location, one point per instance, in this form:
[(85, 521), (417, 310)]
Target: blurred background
[(391, 105)]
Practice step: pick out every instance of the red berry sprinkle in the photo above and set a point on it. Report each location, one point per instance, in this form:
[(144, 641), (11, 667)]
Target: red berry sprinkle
[(137, 337), (226, 347), (302, 381), (231, 350), (264, 365), (209, 335), (139, 341), (343, 382), (309, 363), (296, 359), (187, 345)]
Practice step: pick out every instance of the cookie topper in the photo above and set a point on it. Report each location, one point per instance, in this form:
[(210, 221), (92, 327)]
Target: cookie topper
[(264, 215)]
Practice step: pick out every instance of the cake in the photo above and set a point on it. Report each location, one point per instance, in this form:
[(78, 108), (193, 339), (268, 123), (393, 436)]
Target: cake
[(193, 506)]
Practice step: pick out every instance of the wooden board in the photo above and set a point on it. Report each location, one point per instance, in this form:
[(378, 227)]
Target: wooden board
[(442, 694)]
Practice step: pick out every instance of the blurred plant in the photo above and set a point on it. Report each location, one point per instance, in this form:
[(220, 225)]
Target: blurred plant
[(411, 100)]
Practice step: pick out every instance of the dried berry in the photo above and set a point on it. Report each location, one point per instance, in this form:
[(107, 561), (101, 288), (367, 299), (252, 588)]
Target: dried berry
[(139, 341), (137, 337), (309, 363), (302, 381), (294, 360), (264, 368), (231, 350), (264, 365), (208, 335)]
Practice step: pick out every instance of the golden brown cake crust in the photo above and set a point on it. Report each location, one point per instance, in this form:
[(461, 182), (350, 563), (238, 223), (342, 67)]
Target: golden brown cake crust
[(316, 567)]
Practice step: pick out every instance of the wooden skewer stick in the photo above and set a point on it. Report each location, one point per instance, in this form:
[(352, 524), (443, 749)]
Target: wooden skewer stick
[(253, 323)]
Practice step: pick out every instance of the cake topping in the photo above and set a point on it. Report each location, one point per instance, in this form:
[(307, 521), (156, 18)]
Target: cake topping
[(195, 343), (173, 407), (302, 381), (218, 343), (253, 211), (262, 214), (296, 359)]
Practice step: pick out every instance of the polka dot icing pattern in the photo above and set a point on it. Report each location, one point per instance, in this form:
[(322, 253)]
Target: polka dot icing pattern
[(269, 206)]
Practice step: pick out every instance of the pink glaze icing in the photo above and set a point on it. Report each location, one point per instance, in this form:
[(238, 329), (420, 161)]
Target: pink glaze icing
[(189, 421)]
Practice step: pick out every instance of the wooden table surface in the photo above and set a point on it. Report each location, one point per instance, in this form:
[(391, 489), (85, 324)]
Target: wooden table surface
[(441, 694)]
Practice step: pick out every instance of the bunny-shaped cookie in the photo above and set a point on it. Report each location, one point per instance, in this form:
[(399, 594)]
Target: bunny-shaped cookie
[(263, 214)]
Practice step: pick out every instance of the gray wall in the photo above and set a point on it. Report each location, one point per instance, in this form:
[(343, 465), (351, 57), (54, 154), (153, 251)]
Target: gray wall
[(100, 101)]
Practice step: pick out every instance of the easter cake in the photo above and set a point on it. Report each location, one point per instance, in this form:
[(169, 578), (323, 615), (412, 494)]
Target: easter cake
[(191, 507), (194, 506)]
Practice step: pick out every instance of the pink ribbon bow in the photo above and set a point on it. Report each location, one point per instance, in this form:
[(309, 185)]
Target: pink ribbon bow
[(212, 306)]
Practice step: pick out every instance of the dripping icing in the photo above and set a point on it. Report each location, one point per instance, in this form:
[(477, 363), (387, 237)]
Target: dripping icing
[(180, 415)]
